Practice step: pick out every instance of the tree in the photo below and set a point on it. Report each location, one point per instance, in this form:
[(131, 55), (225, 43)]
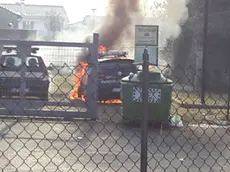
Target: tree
[(54, 24)]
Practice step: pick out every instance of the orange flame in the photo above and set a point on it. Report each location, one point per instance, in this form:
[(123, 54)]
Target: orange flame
[(80, 72), (102, 49), (112, 101)]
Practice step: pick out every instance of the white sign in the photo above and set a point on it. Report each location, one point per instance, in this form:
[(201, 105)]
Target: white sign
[(146, 35), (154, 95)]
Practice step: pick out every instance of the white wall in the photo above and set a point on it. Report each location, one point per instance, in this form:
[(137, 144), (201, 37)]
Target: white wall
[(39, 26)]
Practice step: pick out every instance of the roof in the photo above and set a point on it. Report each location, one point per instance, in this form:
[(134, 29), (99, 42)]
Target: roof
[(88, 19), (12, 50), (35, 10), (12, 12), (77, 25)]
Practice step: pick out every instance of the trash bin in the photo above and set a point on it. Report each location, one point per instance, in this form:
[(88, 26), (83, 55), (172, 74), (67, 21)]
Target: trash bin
[(159, 97)]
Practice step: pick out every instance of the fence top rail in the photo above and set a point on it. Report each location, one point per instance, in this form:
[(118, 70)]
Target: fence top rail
[(45, 43)]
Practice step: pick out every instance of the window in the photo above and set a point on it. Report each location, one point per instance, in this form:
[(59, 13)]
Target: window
[(28, 25), (12, 61), (17, 62), (32, 62), (32, 25), (24, 25)]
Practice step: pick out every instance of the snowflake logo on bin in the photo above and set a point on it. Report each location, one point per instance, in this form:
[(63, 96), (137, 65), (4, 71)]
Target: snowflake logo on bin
[(137, 94), (154, 95)]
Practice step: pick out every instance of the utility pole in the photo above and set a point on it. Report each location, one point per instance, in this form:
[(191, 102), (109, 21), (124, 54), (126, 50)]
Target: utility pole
[(93, 10)]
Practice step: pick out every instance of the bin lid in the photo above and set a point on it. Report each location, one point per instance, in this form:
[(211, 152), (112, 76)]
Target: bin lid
[(153, 77)]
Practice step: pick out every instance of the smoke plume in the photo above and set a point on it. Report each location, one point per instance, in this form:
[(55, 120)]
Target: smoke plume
[(117, 28), (117, 21), (168, 14)]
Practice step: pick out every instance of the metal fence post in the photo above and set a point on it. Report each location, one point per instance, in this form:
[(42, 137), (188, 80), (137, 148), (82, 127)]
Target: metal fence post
[(144, 127), (22, 52), (92, 75), (206, 5), (228, 103)]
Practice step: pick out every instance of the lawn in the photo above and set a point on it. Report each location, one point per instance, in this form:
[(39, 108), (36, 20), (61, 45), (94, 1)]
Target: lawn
[(199, 115), (61, 84)]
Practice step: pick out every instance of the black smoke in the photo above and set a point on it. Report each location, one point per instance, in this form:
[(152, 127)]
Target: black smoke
[(117, 21)]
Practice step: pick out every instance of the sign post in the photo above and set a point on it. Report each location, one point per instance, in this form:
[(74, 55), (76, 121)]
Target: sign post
[(146, 36)]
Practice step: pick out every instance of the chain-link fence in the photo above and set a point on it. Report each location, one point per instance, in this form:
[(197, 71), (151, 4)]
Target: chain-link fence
[(71, 129)]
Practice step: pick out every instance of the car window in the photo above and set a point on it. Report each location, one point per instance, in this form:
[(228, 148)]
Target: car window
[(32, 62), (16, 61), (112, 68), (12, 61)]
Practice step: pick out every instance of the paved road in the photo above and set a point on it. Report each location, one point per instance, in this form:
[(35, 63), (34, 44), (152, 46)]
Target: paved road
[(108, 146)]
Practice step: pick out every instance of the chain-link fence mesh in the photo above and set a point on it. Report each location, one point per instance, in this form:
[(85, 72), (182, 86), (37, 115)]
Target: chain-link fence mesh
[(50, 141)]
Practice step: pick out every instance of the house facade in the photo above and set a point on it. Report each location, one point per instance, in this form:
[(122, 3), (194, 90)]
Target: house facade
[(7, 17), (10, 24), (45, 19)]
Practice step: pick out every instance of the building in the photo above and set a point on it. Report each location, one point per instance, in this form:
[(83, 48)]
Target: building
[(9, 26), (7, 17), (45, 19), (87, 24), (77, 26)]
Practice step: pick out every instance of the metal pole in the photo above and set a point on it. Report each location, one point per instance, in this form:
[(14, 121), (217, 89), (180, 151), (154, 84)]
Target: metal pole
[(22, 52), (91, 97), (205, 32), (93, 17), (144, 127), (228, 104)]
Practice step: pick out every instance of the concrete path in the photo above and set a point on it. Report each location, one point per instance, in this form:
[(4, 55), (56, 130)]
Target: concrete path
[(81, 146)]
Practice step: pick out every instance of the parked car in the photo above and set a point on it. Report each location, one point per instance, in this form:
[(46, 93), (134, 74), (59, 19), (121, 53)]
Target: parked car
[(110, 71), (36, 74)]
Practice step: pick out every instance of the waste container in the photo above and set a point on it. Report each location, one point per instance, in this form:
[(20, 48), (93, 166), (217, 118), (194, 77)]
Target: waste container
[(159, 97)]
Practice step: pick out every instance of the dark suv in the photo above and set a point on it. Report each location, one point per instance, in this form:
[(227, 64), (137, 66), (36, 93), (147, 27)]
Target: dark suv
[(36, 75), (110, 71)]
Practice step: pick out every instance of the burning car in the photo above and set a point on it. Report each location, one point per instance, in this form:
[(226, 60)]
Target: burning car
[(36, 74), (112, 66)]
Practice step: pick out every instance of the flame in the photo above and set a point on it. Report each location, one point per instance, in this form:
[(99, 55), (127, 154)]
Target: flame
[(80, 72), (112, 101), (102, 49)]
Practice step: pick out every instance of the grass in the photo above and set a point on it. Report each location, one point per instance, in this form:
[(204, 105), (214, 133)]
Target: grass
[(196, 115), (62, 84), (194, 98)]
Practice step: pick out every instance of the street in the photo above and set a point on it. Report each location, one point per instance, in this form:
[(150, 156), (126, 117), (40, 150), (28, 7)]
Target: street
[(42, 145)]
